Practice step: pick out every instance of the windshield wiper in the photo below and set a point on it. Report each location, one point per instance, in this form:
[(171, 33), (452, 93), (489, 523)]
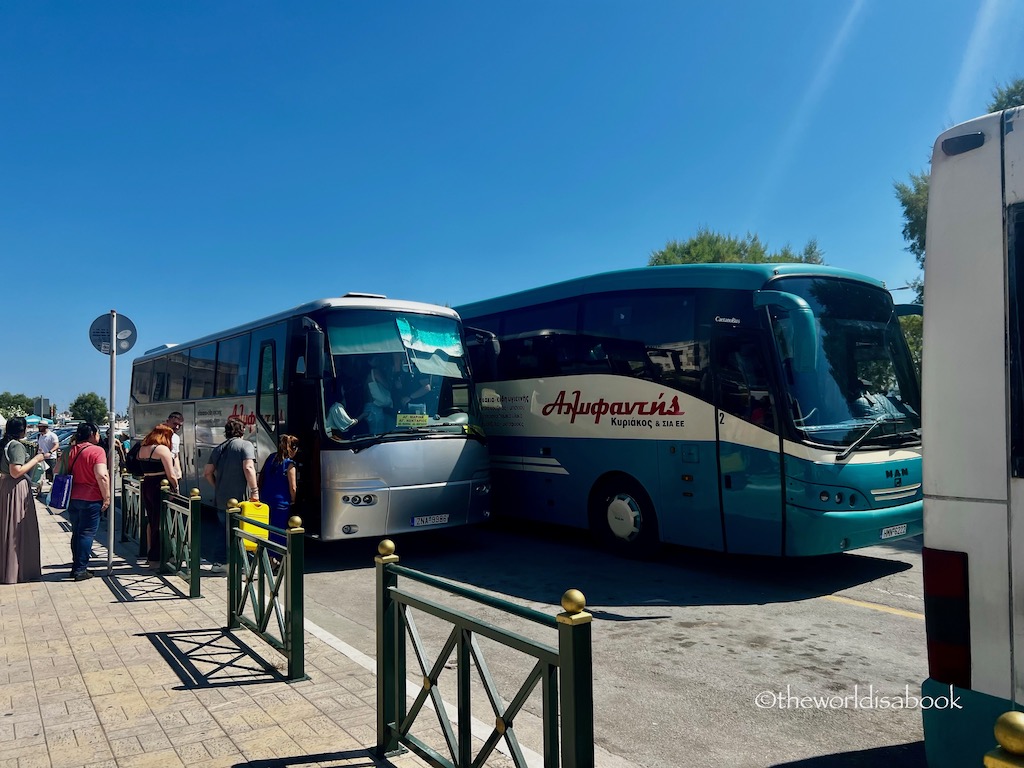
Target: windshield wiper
[(853, 446)]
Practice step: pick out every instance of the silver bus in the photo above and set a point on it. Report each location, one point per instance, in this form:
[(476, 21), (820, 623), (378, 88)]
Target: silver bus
[(363, 470)]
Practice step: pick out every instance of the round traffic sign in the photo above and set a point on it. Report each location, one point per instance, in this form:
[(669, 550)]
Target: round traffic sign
[(99, 334)]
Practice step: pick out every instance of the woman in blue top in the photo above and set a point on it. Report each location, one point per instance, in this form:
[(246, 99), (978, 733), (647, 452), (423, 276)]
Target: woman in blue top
[(278, 483)]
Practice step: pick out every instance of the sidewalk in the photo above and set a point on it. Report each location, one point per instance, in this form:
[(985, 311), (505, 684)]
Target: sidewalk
[(124, 671)]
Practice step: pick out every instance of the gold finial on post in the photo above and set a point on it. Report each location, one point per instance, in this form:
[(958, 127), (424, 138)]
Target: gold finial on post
[(165, 483), (194, 493), (386, 548), (295, 523), (1009, 732), (574, 602), (232, 503)]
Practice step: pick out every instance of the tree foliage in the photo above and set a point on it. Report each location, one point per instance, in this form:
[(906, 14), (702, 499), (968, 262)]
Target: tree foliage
[(89, 407), (913, 331), (708, 247), (1007, 96), (14, 405), (913, 195)]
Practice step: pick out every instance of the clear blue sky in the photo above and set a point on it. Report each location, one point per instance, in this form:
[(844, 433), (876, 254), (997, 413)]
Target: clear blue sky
[(196, 165)]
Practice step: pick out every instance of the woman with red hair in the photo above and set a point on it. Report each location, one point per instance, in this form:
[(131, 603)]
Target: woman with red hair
[(157, 464)]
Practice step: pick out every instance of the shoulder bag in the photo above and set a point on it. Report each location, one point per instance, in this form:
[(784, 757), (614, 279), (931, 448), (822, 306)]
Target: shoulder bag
[(60, 492)]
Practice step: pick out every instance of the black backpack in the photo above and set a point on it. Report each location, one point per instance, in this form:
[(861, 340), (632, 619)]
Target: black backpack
[(132, 462)]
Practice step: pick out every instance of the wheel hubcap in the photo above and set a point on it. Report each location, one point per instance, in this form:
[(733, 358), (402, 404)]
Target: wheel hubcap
[(624, 517)]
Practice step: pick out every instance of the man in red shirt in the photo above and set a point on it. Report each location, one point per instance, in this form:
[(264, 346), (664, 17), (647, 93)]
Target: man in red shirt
[(90, 495)]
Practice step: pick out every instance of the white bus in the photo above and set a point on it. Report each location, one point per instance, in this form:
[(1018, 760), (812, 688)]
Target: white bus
[(420, 464), (973, 400)]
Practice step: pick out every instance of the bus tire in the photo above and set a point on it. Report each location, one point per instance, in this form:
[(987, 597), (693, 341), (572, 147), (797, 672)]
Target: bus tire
[(622, 516)]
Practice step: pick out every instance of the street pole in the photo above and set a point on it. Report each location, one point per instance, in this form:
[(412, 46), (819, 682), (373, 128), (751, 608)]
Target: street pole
[(110, 442)]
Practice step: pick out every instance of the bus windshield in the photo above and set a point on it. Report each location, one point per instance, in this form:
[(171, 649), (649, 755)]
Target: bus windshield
[(863, 386), (394, 373)]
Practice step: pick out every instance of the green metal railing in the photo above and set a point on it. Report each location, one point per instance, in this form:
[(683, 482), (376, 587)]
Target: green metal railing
[(133, 517), (180, 535), (565, 674), (260, 590)]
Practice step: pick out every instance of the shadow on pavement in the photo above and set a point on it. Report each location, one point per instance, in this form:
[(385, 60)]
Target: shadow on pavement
[(904, 755), (542, 562), (353, 758), (212, 658)]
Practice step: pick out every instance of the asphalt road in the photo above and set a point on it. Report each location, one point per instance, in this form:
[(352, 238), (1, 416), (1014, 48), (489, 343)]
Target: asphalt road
[(699, 658)]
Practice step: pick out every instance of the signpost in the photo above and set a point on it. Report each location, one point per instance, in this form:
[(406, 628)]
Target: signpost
[(111, 337)]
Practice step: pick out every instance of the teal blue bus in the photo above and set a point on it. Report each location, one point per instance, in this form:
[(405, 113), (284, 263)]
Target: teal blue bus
[(769, 409)]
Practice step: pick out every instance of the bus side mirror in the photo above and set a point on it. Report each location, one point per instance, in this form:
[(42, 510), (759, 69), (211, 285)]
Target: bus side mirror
[(483, 348), (314, 353), (805, 328)]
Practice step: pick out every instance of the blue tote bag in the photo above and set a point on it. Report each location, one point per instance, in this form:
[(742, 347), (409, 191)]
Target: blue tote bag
[(60, 492)]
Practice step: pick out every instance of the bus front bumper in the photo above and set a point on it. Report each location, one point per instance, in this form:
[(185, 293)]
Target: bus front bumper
[(815, 532)]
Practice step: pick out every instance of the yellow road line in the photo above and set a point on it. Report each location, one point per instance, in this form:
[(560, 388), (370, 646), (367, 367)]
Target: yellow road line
[(875, 606)]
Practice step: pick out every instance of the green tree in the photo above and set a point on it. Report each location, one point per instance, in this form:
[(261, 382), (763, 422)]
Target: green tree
[(15, 405), (913, 330), (711, 247), (913, 195), (89, 407)]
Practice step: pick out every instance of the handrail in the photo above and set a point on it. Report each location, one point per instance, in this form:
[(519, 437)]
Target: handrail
[(133, 517), (481, 597), (565, 674), (181, 535), (255, 585)]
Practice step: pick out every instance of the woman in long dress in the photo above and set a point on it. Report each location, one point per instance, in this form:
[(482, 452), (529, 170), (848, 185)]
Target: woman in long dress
[(20, 558)]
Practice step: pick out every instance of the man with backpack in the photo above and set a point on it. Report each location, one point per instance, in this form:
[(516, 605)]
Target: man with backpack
[(232, 473)]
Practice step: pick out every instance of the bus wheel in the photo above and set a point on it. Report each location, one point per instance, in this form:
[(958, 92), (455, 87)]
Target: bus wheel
[(622, 517)]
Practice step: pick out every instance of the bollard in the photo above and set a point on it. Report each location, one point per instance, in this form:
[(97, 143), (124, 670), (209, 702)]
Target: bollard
[(576, 692), (1009, 733), (390, 655)]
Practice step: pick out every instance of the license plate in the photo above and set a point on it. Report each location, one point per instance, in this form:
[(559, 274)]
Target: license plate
[(441, 519), (894, 530)]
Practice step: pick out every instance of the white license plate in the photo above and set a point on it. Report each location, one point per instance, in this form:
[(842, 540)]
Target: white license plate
[(441, 519), (894, 530)]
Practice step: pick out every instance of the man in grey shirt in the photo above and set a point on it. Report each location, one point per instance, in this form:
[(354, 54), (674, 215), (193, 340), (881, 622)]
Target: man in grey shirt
[(232, 473)]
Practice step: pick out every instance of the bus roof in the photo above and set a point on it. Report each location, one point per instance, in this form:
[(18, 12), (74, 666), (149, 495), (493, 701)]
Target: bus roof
[(350, 301), (744, 276)]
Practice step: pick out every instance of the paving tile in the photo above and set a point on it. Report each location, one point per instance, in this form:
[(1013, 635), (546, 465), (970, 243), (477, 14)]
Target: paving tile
[(84, 684)]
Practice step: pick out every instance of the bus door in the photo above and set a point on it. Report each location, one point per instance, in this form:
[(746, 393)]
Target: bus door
[(750, 478), (190, 472)]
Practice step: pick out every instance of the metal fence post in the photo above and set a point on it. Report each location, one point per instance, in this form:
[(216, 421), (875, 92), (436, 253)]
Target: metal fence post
[(389, 676), (234, 564), (164, 526), (124, 508), (195, 525), (576, 692), (294, 611)]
